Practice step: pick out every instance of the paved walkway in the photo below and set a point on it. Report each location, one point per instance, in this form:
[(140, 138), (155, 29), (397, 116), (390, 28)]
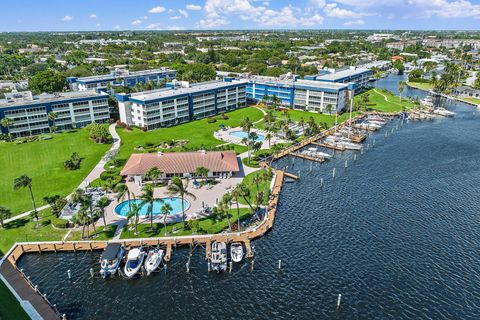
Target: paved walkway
[(94, 174)]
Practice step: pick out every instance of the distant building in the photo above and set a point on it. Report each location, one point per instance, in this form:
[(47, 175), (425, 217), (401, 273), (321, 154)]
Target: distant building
[(74, 109), (181, 164), (121, 77), (357, 76), (180, 102), (381, 36), (467, 92)]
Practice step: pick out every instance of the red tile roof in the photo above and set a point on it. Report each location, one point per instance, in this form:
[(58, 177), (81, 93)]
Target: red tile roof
[(181, 162)]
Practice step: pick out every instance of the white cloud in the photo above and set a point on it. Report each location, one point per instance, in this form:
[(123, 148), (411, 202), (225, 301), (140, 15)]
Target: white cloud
[(193, 7), (136, 22), (158, 9), (212, 23), (318, 3), (448, 9), (93, 16), (184, 13), (288, 16), (116, 27), (67, 18), (153, 26), (175, 28), (176, 18), (332, 10), (358, 22)]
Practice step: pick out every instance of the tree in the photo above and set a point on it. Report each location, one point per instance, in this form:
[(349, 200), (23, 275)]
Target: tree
[(244, 192), (52, 201), (302, 124), (102, 203), (201, 172), (133, 213), (269, 137), (166, 209), (148, 199), (236, 194), (227, 203), (81, 217), (197, 72), (122, 193), (153, 174), (401, 87), (22, 182), (4, 214), (52, 116), (49, 81), (98, 132), (329, 108), (7, 123), (177, 187)]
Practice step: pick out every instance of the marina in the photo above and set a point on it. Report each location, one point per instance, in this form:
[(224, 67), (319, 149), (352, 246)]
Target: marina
[(343, 229)]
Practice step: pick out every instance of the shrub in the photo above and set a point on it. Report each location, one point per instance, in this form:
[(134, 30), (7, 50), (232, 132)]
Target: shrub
[(60, 223), (211, 120), (73, 163)]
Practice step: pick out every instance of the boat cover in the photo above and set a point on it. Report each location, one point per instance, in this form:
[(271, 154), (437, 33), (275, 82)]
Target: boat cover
[(111, 251)]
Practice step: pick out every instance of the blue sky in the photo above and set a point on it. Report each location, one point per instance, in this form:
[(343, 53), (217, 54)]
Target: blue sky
[(68, 15)]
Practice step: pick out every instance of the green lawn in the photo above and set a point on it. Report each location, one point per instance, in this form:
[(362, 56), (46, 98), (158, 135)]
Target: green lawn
[(296, 115), (199, 133), (10, 308), (43, 162), (102, 233), (472, 100), (248, 180), (205, 226), (376, 101), (26, 229), (420, 85)]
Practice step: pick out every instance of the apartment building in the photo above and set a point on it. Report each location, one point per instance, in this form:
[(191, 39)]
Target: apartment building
[(29, 113), (180, 102), (121, 77), (357, 76)]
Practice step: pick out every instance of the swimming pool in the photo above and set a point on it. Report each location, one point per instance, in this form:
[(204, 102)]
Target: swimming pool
[(242, 134), (175, 203)]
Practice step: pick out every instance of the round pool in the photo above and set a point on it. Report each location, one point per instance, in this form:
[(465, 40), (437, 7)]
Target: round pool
[(243, 134), (176, 204)]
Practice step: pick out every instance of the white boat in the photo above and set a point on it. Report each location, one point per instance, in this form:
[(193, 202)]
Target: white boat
[(351, 145), (443, 112), (377, 118), (111, 259), (154, 259), (219, 256), (236, 251), (427, 101), (134, 263), (342, 143)]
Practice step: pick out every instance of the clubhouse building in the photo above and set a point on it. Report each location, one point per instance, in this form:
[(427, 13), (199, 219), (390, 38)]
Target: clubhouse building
[(29, 113), (121, 77), (222, 164), (180, 102)]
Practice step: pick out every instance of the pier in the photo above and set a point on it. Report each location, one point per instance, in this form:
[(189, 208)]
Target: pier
[(304, 156)]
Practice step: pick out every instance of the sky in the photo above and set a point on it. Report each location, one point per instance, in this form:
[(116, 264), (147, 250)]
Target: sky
[(91, 15)]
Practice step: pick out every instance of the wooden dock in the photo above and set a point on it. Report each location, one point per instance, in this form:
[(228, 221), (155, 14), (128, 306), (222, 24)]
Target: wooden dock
[(304, 156), (333, 147)]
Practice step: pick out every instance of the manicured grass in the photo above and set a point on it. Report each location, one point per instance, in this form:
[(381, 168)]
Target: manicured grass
[(102, 233), (264, 185), (10, 308), (205, 226), (43, 161), (420, 85), (26, 229), (199, 133), (472, 100), (377, 101), (320, 118)]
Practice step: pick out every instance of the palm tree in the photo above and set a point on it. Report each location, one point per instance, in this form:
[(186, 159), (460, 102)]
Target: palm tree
[(122, 193), (244, 192), (302, 124), (81, 217), (153, 174), (52, 201), (201, 172), (52, 116), (166, 208), (329, 108), (88, 204), (102, 203), (257, 179), (134, 214), (246, 125), (269, 137), (177, 187), (4, 214), (25, 181), (7, 123), (236, 194), (227, 203), (401, 87), (148, 199)]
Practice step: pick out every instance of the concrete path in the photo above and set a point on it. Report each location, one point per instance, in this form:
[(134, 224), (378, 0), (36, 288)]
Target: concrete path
[(94, 174)]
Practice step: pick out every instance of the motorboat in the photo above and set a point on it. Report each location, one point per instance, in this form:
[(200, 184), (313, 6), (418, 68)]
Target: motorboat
[(219, 256), (377, 118), (367, 126), (313, 152), (236, 251), (443, 112), (111, 259), (134, 262), (154, 259), (427, 101), (351, 145)]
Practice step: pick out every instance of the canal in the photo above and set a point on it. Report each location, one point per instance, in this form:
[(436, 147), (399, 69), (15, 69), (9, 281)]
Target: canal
[(397, 233)]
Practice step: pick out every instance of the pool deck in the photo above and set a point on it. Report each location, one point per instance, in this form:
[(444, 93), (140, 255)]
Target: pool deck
[(225, 136)]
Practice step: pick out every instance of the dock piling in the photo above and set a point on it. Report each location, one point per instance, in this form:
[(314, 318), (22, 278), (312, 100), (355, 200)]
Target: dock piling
[(321, 182), (253, 262), (209, 266), (91, 272), (346, 164), (230, 267), (69, 274), (355, 157), (333, 173), (339, 300), (280, 264)]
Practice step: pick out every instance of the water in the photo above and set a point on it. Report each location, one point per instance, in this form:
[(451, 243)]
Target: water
[(176, 204), (397, 233), (242, 134)]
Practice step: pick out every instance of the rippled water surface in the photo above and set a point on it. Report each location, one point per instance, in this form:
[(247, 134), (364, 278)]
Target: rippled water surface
[(396, 233)]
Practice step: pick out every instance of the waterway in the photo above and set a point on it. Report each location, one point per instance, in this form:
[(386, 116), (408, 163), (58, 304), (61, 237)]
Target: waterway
[(397, 233)]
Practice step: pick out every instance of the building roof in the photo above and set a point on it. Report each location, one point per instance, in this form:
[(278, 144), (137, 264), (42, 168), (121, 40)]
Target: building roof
[(341, 74), (47, 98), (181, 162), (123, 74)]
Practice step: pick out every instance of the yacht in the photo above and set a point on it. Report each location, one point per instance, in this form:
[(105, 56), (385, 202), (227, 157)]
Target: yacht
[(110, 259), (443, 112), (134, 263), (427, 101), (343, 142), (236, 251), (219, 256), (154, 259)]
